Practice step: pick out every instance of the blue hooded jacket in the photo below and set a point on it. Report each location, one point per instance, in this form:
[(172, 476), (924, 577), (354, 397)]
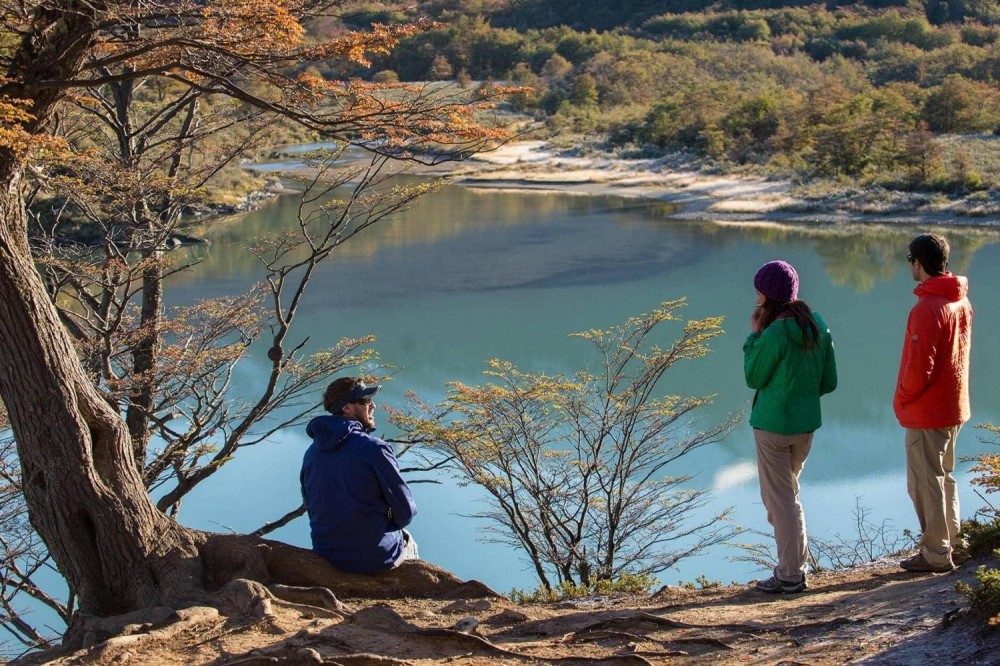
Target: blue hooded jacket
[(357, 501)]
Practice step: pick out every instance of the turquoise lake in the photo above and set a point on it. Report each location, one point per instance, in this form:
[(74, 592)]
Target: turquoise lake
[(467, 275)]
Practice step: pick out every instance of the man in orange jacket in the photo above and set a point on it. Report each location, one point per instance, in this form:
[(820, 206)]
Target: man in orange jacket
[(932, 398)]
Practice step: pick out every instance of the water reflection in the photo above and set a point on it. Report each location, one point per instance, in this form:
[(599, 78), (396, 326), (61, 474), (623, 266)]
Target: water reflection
[(860, 256), (467, 275), (438, 216), (853, 255)]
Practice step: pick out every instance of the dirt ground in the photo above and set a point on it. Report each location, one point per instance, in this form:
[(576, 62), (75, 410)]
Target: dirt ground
[(877, 614)]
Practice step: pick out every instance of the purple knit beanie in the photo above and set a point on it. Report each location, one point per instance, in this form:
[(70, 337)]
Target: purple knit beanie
[(778, 281)]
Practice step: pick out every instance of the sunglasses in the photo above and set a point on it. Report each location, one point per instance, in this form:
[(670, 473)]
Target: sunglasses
[(362, 401), (910, 258)]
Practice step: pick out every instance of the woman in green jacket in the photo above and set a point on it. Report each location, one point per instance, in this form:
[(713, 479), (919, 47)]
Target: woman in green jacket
[(788, 358)]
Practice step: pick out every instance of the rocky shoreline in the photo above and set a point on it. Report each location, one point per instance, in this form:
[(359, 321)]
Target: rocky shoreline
[(191, 217), (700, 196), (537, 166), (246, 204), (734, 199)]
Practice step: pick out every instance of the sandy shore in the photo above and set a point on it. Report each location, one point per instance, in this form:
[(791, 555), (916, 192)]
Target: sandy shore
[(535, 166)]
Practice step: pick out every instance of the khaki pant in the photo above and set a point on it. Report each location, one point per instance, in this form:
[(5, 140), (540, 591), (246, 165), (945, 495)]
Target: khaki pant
[(780, 459), (930, 461)]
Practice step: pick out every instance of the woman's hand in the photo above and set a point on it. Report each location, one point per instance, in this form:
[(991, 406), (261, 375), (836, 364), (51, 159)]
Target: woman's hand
[(755, 318)]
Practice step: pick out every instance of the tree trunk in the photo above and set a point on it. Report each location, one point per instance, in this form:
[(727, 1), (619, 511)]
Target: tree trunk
[(84, 494), (86, 498), (144, 359), (230, 557)]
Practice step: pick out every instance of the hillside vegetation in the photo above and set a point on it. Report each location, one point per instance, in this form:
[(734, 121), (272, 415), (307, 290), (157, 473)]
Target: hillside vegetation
[(866, 91)]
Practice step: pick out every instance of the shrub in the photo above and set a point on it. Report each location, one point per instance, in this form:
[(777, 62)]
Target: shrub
[(701, 582), (625, 584), (579, 470), (983, 537), (386, 76), (985, 599)]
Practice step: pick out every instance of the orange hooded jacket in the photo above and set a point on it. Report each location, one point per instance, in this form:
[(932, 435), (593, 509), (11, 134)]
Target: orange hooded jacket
[(932, 390)]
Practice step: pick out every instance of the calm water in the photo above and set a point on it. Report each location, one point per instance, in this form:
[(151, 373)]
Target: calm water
[(469, 275)]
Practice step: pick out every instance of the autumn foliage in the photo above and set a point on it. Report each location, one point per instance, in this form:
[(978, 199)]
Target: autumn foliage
[(118, 117), (580, 470), (987, 467)]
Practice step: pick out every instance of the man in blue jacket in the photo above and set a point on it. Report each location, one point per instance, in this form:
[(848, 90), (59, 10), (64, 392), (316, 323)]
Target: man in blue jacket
[(357, 501)]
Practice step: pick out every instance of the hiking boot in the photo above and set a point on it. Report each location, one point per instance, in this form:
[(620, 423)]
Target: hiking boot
[(918, 564), (960, 551), (774, 586)]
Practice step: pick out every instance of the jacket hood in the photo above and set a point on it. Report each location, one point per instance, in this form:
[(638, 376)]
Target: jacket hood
[(950, 287), (330, 432)]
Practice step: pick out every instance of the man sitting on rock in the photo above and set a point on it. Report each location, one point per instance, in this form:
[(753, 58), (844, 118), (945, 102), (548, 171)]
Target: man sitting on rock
[(357, 501)]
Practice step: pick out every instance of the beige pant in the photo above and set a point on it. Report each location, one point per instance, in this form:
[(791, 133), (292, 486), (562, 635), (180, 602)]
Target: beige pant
[(930, 461), (779, 462)]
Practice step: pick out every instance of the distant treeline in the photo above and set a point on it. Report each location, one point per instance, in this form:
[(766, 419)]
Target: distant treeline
[(864, 89), (607, 15), (601, 15)]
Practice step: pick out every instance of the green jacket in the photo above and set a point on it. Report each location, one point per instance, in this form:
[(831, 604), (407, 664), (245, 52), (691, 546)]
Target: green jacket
[(788, 378)]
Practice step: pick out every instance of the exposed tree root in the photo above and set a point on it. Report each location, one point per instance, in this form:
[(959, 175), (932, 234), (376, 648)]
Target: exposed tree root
[(615, 629), (652, 622), (245, 579), (310, 596), (386, 620), (134, 632), (231, 556), (594, 636), (822, 625), (247, 599), (309, 657), (367, 660)]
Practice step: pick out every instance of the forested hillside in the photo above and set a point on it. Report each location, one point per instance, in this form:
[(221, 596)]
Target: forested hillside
[(587, 14), (875, 90)]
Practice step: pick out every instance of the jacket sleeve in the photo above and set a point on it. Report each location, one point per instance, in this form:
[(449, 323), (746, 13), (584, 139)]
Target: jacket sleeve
[(828, 382), (397, 494), (919, 352), (761, 355)]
